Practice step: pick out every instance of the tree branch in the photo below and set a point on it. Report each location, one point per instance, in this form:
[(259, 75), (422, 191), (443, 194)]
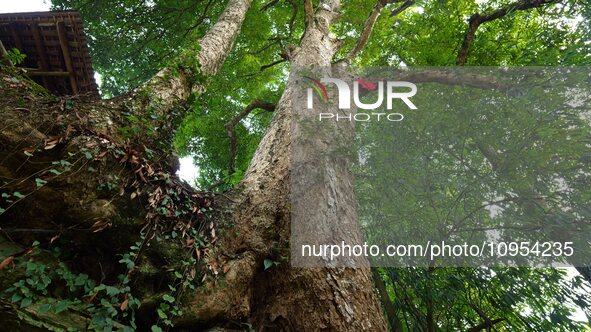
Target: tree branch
[(4, 56), (391, 313), (431, 325), (485, 325), (218, 41), (478, 19), (370, 23), (276, 62), (402, 8), (294, 14), (309, 12), (366, 32), (170, 87), (449, 77), (231, 126), (269, 5)]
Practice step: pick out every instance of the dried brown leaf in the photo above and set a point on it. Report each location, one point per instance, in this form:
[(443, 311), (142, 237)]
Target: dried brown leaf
[(100, 225), (124, 305), (5, 262), (100, 155)]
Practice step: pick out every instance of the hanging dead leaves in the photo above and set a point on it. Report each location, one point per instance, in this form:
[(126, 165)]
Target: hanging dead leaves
[(52, 143), (100, 225), (172, 205), (10, 259)]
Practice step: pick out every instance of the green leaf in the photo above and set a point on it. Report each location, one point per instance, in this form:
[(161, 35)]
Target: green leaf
[(40, 182), (61, 306), (156, 328), (16, 297), (45, 307), (26, 302), (161, 314), (81, 279), (168, 298), (31, 266), (111, 291), (268, 263)]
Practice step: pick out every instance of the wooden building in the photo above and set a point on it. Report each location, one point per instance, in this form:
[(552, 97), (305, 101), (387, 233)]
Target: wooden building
[(56, 51)]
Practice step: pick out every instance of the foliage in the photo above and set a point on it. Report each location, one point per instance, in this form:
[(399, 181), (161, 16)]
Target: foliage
[(475, 161), (15, 56), (526, 299), (241, 80), (60, 290), (131, 40), (176, 217)]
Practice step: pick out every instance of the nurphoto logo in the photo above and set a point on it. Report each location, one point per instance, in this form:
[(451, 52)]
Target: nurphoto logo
[(388, 90)]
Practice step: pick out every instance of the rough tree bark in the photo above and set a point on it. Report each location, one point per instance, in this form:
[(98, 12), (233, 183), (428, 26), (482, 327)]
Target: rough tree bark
[(334, 299), (98, 226)]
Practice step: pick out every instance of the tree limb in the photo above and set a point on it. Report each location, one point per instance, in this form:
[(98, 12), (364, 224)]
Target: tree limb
[(231, 125), (391, 314), (276, 62), (478, 19), (309, 12), (485, 325), (170, 86), (218, 41), (4, 56), (402, 8), (370, 23), (294, 14), (449, 77), (431, 325), (269, 5)]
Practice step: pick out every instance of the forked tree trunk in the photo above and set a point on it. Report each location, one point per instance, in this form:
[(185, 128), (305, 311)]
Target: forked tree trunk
[(281, 298), (286, 298)]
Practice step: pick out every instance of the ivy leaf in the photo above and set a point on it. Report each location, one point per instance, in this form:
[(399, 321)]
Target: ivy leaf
[(44, 308), (16, 297), (112, 291), (61, 306), (26, 302), (81, 280), (168, 298), (268, 263), (40, 182), (161, 314)]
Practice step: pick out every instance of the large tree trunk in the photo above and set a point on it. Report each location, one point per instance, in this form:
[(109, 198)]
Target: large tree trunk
[(71, 206), (286, 298)]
